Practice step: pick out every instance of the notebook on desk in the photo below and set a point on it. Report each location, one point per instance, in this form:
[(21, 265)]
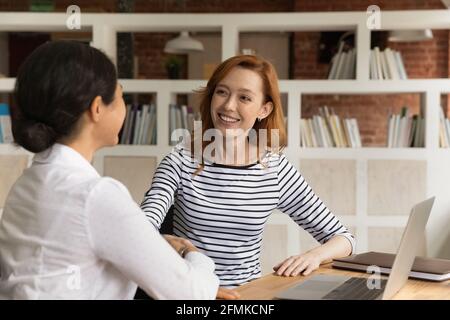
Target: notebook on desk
[(423, 268)]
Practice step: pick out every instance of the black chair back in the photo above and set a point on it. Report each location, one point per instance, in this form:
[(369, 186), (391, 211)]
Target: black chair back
[(167, 225)]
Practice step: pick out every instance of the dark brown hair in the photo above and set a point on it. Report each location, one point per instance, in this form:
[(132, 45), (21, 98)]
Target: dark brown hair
[(54, 86)]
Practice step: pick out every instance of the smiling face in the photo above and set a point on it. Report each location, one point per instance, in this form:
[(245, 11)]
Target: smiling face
[(238, 101)]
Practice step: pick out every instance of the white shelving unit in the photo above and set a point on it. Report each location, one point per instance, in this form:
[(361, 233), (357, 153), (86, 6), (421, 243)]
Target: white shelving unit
[(105, 26)]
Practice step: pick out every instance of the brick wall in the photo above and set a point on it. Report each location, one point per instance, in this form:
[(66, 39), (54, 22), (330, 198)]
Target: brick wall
[(371, 111), (151, 57), (361, 5), (198, 6), (87, 5), (422, 59), (14, 5), (61, 5)]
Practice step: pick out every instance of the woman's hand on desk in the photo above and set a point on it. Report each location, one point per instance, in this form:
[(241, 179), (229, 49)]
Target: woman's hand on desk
[(181, 245), (337, 246), (302, 263), (227, 294)]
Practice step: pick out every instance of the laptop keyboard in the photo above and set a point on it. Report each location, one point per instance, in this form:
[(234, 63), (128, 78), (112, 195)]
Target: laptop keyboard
[(355, 289)]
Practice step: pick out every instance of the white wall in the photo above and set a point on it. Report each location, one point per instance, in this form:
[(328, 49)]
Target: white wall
[(438, 228)]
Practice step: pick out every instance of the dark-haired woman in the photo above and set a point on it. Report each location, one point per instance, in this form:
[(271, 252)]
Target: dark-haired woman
[(66, 232)]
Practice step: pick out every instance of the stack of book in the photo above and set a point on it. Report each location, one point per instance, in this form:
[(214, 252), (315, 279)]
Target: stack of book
[(327, 130), (5, 124), (405, 131), (387, 64), (343, 64), (444, 130), (140, 125), (181, 117)]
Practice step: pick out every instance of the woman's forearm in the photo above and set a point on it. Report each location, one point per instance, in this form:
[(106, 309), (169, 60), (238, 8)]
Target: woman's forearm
[(338, 246)]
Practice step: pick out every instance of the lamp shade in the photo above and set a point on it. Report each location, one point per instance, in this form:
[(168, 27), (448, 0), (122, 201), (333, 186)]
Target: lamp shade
[(183, 44), (410, 35)]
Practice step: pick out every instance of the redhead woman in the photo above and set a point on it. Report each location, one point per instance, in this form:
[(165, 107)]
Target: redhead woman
[(224, 195)]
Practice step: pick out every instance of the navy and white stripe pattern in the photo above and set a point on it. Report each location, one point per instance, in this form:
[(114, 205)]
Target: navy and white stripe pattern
[(223, 209)]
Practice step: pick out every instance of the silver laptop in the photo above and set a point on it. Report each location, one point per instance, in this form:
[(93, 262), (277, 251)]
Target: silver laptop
[(329, 287)]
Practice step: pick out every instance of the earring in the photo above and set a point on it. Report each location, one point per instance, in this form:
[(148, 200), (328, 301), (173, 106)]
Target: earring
[(259, 119)]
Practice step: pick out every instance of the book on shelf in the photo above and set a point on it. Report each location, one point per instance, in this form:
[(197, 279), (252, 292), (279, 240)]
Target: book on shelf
[(423, 268), (387, 65), (343, 63), (444, 130), (140, 125), (375, 53), (405, 130), (5, 124), (181, 117), (328, 130)]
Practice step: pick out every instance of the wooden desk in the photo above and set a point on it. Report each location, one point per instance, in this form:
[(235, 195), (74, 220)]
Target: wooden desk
[(268, 286)]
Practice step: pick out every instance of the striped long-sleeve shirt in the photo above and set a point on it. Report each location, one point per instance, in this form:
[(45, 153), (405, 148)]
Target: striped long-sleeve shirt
[(222, 210)]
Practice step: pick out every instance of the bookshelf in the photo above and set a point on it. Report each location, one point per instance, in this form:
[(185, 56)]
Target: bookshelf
[(427, 167)]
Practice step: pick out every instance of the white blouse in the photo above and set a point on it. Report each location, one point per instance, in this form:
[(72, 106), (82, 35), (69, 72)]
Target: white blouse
[(67, 233)]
